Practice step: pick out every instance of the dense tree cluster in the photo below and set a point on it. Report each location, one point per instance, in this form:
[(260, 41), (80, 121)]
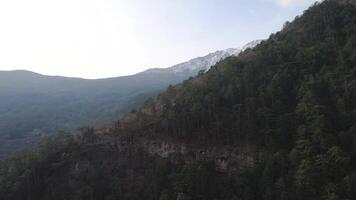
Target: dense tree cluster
[(292, 97)]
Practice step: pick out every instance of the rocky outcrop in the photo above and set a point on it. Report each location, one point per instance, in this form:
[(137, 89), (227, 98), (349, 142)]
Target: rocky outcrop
[(225, 158)]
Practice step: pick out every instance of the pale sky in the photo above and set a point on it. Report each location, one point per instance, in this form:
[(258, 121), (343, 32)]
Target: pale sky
[(106, 38)]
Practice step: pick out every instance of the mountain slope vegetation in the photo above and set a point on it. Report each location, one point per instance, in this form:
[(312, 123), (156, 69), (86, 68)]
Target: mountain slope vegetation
[(276, 122)]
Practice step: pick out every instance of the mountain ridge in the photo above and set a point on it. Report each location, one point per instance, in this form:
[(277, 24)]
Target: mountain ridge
[(221, 54), (274, 123), (34, 103)]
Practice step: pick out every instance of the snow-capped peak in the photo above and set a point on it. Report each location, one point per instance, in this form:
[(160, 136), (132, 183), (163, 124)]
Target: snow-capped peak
[(203, 63), (251, 44), (193, 66)]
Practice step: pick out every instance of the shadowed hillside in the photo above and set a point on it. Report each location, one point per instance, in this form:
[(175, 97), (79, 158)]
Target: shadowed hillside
[(34, 106), (276, 122)]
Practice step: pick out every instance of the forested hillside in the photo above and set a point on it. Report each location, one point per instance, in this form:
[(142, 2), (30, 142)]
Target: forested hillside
[(276, 122)]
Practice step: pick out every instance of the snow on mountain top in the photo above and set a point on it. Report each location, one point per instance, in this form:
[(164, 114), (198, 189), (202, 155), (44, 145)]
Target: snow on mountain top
[(193, 66), (251, 44), (204, 63)]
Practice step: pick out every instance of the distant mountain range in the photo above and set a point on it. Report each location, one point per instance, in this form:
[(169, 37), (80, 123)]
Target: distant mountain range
[(33, 106)]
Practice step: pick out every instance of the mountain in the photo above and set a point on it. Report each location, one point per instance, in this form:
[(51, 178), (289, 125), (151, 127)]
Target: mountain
[(34, 106), (194, 66), (275, 122), (251, 45), (203, 63)]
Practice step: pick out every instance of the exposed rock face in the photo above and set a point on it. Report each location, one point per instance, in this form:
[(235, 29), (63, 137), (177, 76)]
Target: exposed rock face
[(226, 158)]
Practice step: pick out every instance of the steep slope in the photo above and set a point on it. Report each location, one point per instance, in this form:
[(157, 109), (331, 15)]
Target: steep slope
[(276, 122)]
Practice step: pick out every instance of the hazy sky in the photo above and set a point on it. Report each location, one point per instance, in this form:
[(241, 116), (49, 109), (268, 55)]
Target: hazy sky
[(105, 38)]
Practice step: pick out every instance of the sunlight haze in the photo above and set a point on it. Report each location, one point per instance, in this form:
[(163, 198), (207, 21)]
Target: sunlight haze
[(106, 38)]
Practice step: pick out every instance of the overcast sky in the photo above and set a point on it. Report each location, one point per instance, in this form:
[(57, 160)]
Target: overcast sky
[(106, 38)]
